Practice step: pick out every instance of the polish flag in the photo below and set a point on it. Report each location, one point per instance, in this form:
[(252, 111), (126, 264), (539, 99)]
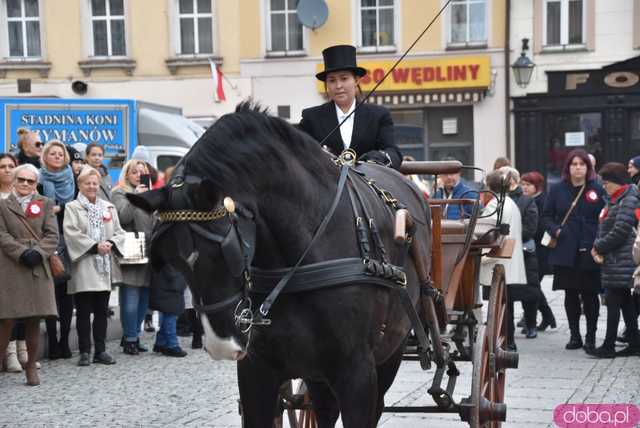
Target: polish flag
[(216, 74)]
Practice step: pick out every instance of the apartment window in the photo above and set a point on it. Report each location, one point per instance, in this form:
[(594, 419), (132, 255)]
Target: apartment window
[(377, 24), (23, 24), (564, 22), (285, 31), (196, 27), (107, 26), (468, 23)]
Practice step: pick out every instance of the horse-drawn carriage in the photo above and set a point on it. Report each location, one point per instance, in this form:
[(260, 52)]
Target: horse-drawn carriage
[(302, 266), (459, 329)]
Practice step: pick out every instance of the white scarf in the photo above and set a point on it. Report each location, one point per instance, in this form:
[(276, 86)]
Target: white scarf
[(96, 230), (23, 200)]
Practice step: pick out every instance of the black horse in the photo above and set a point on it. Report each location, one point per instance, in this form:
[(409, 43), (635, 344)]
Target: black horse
[(345, 341)]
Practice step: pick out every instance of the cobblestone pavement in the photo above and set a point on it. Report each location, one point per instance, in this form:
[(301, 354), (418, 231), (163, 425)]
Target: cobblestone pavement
[(156, 391)]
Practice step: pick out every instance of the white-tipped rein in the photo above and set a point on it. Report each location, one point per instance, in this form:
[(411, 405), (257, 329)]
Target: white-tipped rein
[(219, 348)]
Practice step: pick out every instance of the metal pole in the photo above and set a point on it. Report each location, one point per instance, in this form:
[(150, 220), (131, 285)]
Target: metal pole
[(507, 77)]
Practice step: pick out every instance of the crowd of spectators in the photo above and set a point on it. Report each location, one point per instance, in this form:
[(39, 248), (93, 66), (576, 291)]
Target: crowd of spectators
[(57, 203)]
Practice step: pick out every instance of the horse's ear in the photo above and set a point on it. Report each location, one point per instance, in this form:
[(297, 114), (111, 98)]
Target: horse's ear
[(149, 201), (208, 194)]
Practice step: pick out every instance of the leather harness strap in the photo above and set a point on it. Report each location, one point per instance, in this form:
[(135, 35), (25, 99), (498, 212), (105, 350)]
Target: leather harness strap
[(273, 295)]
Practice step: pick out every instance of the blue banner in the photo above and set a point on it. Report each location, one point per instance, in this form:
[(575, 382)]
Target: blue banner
[(110, 123)]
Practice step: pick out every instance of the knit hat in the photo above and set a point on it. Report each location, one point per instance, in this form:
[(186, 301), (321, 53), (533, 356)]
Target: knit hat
[(615, 172), (74, 154), (636, 162), (141, 153)]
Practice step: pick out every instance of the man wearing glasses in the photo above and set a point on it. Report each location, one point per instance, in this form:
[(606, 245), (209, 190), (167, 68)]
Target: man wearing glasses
[(30, 147)]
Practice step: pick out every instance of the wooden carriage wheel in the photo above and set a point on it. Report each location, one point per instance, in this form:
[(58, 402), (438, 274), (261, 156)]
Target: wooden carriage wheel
[(490, 361)]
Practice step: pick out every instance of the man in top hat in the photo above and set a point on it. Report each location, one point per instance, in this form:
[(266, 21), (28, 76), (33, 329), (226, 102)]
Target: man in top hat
[(369, 131)]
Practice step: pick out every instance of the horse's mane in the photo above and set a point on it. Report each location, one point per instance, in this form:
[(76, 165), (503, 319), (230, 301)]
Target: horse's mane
[(249, 146)]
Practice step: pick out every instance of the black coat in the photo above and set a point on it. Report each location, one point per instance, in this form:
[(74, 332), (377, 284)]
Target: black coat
[(372, 130), (542, 252), (579, 232), (528, 213), (616, 235), (166, 293)]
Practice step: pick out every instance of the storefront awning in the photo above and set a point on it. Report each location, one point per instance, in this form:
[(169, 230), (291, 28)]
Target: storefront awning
[(441, 97)]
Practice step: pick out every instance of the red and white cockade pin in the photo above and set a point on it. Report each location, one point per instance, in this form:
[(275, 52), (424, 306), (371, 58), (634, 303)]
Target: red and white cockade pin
[(34, 209), (592, 196), (106, 216)]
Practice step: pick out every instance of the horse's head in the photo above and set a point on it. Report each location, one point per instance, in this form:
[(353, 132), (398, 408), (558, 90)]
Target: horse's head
[(210, 239)]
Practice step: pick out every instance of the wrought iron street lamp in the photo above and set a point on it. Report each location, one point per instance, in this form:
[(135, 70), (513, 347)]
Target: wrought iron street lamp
[(523, 67)]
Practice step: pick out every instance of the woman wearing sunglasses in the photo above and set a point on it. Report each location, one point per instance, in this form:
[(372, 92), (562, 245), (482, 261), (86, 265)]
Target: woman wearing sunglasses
[(28, 236), (30, 147)]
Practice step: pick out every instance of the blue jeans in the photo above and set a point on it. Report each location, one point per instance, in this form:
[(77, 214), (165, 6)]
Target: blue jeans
[(134, 302), (166, 335)]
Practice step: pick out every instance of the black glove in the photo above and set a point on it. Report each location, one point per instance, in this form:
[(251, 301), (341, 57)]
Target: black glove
[(30, 258), (376, 156)]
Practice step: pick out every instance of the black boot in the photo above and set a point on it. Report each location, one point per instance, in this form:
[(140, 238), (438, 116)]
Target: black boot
[(130, 348), (54, 350), (590, 343), (548, 320), (63, 347), (574, 343), (196, 343), (601, 352)]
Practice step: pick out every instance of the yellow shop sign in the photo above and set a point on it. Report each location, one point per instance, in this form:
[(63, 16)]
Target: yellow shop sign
[(425, 74)]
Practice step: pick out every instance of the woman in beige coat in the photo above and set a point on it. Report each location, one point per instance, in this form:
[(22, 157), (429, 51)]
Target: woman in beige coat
[(94, 239), (134, 291), (28, 236)]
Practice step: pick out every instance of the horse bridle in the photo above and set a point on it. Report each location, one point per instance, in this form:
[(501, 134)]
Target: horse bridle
[(237, 246), (233, 250)]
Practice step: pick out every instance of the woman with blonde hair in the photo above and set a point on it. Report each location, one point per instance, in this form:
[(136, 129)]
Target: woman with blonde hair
[(134, 290), (94, 237), (58, 184), (30, 147)]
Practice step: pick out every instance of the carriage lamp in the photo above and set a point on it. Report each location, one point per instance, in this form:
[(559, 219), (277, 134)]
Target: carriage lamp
[(523, 66)]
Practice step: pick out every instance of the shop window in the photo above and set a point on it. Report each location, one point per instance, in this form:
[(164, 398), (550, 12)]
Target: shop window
[(23, 27), (377, 25), (195, 19), (107, 27), (409, 133), (468, 23), (564, 22), (285, 35), (567, 131)]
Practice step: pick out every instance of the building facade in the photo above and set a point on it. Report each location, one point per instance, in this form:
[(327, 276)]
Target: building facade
[(585, 91), (447, 97)]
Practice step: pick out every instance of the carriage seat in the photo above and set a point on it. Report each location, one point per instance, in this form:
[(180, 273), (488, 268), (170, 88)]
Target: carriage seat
[(453, 227)]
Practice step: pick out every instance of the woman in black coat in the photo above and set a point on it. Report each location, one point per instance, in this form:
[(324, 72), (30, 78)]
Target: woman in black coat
[(574, 268), (613, 249), (529, 215), (532, 184), (368, 131)]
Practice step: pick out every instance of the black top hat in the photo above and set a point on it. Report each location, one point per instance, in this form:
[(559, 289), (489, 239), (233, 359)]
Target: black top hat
[(340, 58)]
